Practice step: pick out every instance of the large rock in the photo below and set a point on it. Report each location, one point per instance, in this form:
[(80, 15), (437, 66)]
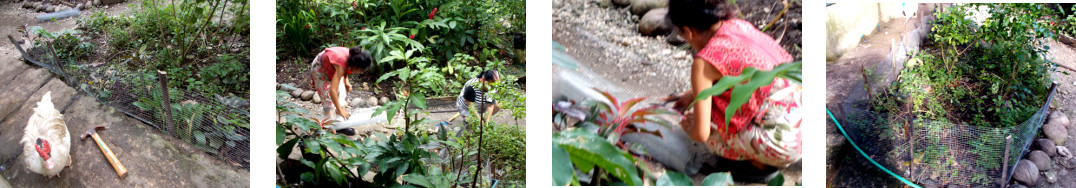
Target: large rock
[(1026, 173), (316, 100), (654, 23), (356, 102), (1056, 131), (640, 7), (1059, 117), (1046, 145), (621, 2), (371, 101), (307, 95), (297, 92), (1041, 160)]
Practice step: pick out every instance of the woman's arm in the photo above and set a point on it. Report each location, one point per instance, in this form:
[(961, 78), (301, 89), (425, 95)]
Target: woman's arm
[(347, 83), (334, 94), (703, 76)]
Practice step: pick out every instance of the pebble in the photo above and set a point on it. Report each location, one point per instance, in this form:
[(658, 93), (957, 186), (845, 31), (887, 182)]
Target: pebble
[(97, 2), (307, 95), (622, 2), (79, 6), (1045, 145), (1056, 132), (1041, 160), (1064, 152), (316, 100), (1026, 173), (1072, 163), (297, 92), (384, 100), (1050, 176)]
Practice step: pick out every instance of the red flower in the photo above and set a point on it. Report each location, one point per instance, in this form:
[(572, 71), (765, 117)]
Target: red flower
[(412, 36), (364, 28), (306, 26), (434, 12), (353, 5)]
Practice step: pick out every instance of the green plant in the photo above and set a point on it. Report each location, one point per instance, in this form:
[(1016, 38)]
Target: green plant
[(585, 150), (986, 72), (672, 178), (745, 84)]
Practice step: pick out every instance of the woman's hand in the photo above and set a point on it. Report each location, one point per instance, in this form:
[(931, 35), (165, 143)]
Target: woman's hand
[(343, 113)]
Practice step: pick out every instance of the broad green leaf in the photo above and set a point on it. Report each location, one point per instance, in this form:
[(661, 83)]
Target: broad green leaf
[(672, 178), (718, 179), (284, 150), (583, 145), (563, 173), (280, 134), (777, 181), (418, 100)]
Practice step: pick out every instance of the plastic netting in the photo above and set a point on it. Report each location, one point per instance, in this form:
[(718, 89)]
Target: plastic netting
[(218, 125), (940, 151)]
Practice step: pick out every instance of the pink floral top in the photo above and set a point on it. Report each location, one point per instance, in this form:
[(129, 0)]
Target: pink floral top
[(735, 46)]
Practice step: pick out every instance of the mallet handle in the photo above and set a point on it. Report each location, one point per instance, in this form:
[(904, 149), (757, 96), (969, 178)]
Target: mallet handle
[(120, 170)]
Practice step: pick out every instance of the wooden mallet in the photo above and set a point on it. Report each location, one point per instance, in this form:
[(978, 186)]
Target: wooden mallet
[(120, 170)]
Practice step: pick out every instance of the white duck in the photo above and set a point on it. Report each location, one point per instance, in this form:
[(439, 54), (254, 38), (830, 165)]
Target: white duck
[(46, 141)]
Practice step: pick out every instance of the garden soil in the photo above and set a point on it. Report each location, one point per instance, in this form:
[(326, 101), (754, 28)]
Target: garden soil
[(846, 168), (605, 38), (152, 158)]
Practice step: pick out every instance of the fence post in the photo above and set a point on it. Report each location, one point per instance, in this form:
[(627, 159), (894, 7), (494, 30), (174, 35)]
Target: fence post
[(166, 103)]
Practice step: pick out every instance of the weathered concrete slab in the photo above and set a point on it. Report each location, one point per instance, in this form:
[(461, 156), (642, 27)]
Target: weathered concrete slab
[(153, 160)]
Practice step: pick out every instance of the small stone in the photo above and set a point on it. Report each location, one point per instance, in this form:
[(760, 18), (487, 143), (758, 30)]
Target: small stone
[(297, 92), (1059, 117), (640, 7), (79, 6), (1056, 131), (1041, 160), (1046, 145), (371, 101), (622, 2), (1050, 176), (288, 87), (27, 5), (307, 95), (316, 100), (1071, 163), (1026, 173), (97, 2), (384, 100), (1063, 152), (654, 23)]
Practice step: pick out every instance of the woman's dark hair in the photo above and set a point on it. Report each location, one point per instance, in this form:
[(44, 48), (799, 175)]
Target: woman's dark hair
[(488, 75), (699, 14), (357, 57)]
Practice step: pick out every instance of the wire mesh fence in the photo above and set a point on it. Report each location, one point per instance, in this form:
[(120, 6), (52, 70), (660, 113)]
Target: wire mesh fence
[(941, 151), (218, 125)]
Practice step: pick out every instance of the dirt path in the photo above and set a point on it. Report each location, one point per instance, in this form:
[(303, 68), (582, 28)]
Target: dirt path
[(153, 159)]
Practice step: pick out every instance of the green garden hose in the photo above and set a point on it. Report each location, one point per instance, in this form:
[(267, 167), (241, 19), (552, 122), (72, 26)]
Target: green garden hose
[(865, 154)]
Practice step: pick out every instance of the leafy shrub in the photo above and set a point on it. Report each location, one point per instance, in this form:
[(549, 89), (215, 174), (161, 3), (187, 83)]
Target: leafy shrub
[(989, 74)]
